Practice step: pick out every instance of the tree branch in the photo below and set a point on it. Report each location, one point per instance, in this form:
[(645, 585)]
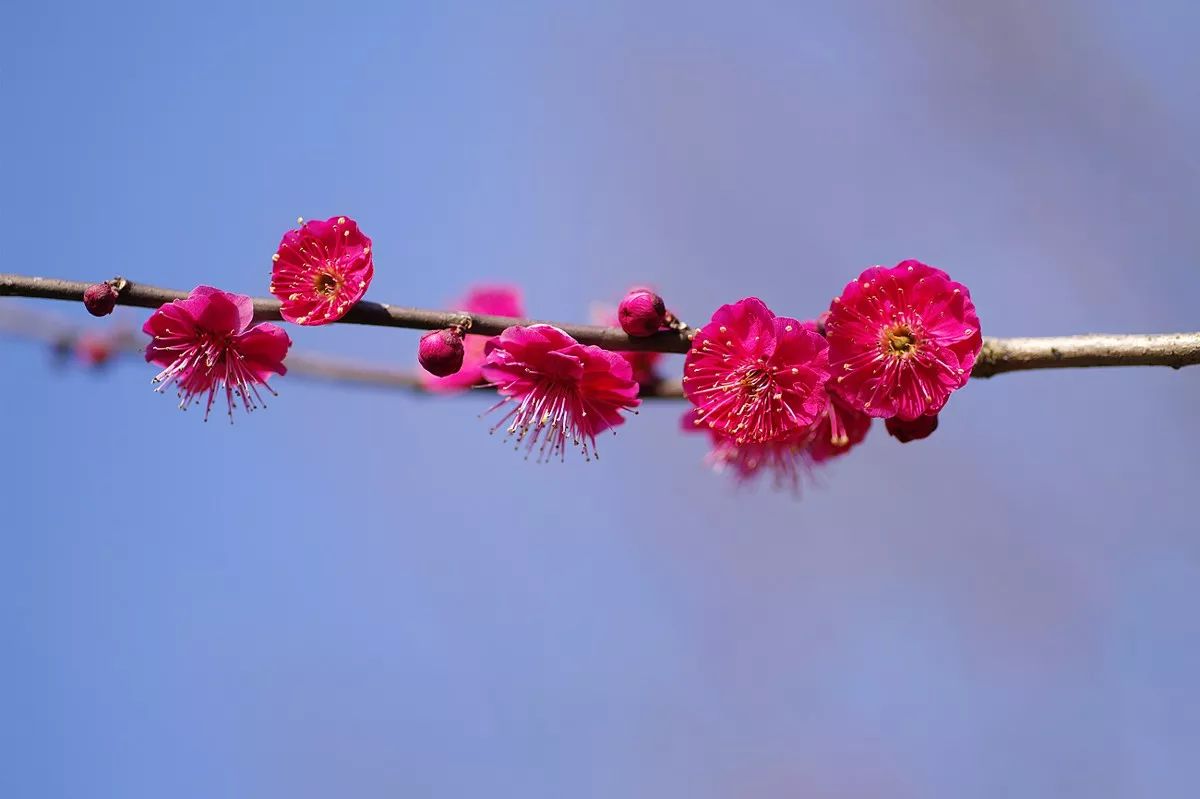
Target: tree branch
[(57, 332), (999, 355), (363, 313)]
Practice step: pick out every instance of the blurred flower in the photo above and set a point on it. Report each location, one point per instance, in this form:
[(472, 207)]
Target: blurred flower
[(839, 429), (94, 349), (497, 300), (756, 377), (321, 270), (565, 392), (902, 339), (785, 462), (206, 345), (642, 366)]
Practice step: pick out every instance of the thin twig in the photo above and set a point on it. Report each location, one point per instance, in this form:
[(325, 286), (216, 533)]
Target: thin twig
[(363, 313), (57, 332), (999, 355)]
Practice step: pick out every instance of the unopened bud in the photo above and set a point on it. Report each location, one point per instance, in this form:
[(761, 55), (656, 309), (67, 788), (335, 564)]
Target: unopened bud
[(905, 431), (441, 352), (100, 299), (642, 313)]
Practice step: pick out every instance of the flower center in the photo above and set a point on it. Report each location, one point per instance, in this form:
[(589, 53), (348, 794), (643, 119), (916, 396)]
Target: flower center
[(755, 381), (899, 341), (326, 284)]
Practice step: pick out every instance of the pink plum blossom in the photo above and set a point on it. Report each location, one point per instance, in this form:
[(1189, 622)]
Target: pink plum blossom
[(561, 392), (207, 346), (754, 376), (901, 340), (321, 270)]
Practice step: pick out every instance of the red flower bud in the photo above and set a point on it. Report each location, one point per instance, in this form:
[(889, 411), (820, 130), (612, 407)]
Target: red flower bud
[(441, 352), (906, 431), (100, 299), (642, 313)]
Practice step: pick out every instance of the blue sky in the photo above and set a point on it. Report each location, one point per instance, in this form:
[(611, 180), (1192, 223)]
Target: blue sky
[(361, 593)]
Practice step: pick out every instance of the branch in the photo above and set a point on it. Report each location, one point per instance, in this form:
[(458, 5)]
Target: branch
[(1099, 349), (363, 313), (999, 355), (50, 329), (319, 367)]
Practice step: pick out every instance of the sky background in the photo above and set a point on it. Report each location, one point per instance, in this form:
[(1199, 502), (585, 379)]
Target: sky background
[(359, 593)]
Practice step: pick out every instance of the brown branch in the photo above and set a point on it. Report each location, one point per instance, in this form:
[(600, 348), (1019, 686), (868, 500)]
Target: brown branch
[(999, 355), (363, 313), (50, 329)]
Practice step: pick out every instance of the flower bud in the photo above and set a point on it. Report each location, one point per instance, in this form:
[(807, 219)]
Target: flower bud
[(642, 313), (441, 352), (100, 299), (905, 431)]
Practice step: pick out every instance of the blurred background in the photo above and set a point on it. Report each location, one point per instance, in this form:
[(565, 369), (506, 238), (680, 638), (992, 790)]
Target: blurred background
[(359, 593)]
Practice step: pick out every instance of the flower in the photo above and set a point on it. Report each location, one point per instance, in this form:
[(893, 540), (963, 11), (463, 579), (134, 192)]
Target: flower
[(498, 300), (440, 352), (207, 345), (100, 299), (94, 349), (321, 270), (835, 431), (790, 460), (754, 376), (786, 461), (641, 313), (911, 430), (839, 428), (642, 366), (564, 391), (902, 339)]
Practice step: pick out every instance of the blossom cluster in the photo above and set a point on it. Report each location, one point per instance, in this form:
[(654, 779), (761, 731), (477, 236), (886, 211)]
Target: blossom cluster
[(777, 395), (774, 395)]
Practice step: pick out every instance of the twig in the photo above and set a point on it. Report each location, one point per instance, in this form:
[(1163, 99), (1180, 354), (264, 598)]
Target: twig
[(50, 329), (999, 355), (363, 313)]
